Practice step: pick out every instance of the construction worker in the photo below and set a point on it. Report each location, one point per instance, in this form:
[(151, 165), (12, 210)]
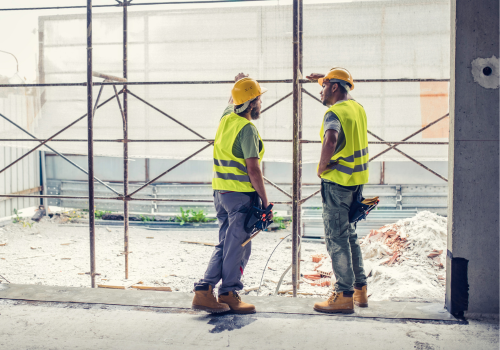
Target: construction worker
[(343, 169), (237, 179)]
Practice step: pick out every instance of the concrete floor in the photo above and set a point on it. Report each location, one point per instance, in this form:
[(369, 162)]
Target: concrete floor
[(49, 325), (281, 305), (42, 317)]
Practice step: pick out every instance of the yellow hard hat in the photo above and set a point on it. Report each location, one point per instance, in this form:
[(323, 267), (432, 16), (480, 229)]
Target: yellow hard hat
[(338, 73), (246, 89)]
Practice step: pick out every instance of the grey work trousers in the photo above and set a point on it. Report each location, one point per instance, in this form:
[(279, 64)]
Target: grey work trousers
[(341, 238), (229, 258)]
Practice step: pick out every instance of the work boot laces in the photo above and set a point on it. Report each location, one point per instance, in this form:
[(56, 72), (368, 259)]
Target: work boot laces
[(237, 296), (332, 295)]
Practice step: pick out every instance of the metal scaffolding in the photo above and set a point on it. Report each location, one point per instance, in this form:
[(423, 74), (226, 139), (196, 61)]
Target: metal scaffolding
[(297, 141)]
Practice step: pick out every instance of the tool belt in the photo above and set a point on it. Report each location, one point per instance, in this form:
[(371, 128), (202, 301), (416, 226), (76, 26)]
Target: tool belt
[(361, 207), (257, 218)]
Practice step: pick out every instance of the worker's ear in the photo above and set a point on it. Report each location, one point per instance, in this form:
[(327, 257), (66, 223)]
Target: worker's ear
[(335, 87), (253, 104)]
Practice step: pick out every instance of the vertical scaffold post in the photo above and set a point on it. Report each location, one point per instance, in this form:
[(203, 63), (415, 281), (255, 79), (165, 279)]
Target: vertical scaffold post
[(90, 140), (125, 143), (296, 148), (301, 17)]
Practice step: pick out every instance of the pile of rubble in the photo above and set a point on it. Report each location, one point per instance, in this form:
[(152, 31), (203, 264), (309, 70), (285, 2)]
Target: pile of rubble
[(405, 259)]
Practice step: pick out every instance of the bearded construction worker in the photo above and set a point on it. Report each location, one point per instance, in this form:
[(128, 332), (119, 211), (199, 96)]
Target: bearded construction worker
[(237, 179), (343, 169)]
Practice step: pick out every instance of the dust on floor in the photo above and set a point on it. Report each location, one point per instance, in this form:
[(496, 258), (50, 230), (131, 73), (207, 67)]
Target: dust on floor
[(50, 253)]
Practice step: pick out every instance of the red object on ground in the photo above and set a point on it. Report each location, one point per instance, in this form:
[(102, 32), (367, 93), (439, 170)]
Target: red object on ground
[(317, 258), (322, 283), (315, 276)]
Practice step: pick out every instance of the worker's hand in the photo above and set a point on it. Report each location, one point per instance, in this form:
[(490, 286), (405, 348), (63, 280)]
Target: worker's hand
[(321, 171), (270, 216), (315, 76), (240, 76), (264, 206)]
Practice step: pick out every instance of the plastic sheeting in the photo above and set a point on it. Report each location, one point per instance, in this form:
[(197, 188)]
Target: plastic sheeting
[(373, 39)]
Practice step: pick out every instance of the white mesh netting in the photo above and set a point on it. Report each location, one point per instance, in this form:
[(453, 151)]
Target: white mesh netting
[(373, 39)]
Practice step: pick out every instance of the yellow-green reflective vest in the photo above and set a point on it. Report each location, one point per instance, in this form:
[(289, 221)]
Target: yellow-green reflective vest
[(352, 168), (230, 173)]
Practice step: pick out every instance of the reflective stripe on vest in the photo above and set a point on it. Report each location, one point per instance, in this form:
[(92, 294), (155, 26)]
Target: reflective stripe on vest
[(230, 173), (349, 166)]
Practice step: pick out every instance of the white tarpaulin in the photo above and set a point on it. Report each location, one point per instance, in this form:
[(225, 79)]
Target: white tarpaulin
[(373, 39)]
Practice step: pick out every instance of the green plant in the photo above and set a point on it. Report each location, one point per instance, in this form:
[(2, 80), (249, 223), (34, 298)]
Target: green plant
[(100, 213), (147, 218), (279, 220), (191, 216), (17, 218), (20, 220)]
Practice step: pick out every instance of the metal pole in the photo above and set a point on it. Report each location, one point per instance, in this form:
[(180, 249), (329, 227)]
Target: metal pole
[(296, 149), (60, 154), (125, 144), (90, 117), (44, 180), (299, 179)]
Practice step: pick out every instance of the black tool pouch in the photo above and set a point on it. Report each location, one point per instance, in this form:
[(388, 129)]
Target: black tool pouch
[(358, 210), (253, 214)]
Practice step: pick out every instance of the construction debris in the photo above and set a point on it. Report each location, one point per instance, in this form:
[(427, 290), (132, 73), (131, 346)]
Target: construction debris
[(318, 257), (39, 214), (404, 258)]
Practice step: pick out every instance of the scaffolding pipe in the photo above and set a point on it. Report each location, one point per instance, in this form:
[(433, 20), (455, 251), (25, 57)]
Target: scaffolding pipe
[(125, 137), (90, 120), (108, 77), (208, 82), (51, 137), (119, 198), (212, 140), (60, 154), (137, 4), (299, 185), (296, 147)]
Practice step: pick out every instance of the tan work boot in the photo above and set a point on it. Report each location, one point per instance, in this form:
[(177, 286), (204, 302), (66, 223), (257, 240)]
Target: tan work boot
[(337, 302), (361, 296), (205, 300), (235, 303)]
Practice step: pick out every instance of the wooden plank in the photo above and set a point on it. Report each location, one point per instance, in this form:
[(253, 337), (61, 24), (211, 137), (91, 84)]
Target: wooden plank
[(110, 286), (119, 284), (162, 289), (28, 191), (201, 243)]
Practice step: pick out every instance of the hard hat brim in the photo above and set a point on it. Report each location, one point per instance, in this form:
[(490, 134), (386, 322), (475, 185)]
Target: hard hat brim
[(321, 80)]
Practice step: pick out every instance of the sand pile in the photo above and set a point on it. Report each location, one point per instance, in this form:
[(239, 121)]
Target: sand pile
[(406, 259)]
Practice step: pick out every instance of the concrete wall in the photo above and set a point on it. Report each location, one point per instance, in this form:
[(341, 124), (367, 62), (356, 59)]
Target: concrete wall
[(474, 158)]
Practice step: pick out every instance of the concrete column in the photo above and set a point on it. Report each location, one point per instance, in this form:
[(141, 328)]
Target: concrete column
[(473, 229)]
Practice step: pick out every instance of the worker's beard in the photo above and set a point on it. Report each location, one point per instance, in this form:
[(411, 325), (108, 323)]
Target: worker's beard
[(254, 114)]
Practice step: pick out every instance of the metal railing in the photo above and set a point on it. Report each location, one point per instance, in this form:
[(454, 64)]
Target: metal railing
[(126, 197)]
